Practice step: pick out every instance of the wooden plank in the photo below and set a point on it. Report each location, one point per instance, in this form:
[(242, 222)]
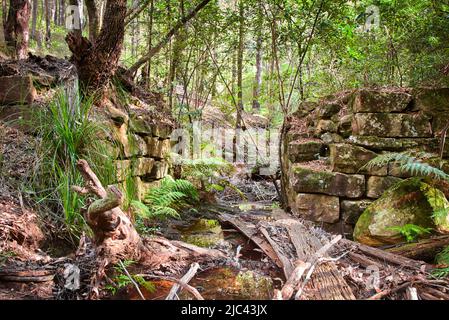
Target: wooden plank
[(327, 284), (287, 265), (250, 231)]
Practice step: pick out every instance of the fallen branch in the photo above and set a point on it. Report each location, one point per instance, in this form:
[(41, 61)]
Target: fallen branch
[(185, 286), (185, 280)]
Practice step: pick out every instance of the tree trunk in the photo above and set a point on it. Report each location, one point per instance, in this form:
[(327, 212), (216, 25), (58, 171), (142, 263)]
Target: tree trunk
[(48, 22), (259, 46), (239, 107), (17, 32), (34, 19), (147, 75), (97, 62), (258, 79), (94, 19)]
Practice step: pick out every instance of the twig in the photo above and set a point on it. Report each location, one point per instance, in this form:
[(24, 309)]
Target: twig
[(132, 280), (187, 287), (185, 280)]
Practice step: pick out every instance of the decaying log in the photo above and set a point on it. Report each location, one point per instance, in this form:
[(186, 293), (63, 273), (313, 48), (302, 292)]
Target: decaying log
[(424, 250), (184, 280), (26, 275), (384, 256), (326, 284), (251, 233), (287, 265), (17, 90)]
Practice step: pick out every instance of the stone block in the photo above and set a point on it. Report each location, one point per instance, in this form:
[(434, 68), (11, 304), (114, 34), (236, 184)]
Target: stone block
[(392, 125), (304, 180), (352, 210), (376, 186), (318, 208), (375, 101), (351, 159), (305, 151)]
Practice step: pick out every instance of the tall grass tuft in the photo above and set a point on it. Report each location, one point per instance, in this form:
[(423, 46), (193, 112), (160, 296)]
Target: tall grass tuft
[(66, 134)]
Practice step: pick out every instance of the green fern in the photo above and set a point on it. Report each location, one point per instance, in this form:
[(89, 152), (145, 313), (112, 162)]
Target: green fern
[(408, 162), (167, 200), (209, 174), (411, 232)]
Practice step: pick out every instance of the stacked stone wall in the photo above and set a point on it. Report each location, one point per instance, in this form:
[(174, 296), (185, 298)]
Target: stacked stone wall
[(328, 143)]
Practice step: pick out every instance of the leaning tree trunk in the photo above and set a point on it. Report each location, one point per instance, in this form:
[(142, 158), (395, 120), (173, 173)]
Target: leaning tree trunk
[(17, 32), (97, 62)]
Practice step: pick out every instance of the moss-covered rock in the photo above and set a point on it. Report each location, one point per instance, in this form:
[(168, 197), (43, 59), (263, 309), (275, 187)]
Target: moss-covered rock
[(406, 203), (350, 159), (317, 207), (376, 186), (433, 101), (305, 151), (394, 144), (392, 125), (345, 125), (324, 126), (367, 100), (351, 210), (305, 180), (327, 110)]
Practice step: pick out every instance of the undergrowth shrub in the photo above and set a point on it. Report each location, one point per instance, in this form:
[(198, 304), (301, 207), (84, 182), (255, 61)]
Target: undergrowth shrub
[(165, 201), (66, 133)]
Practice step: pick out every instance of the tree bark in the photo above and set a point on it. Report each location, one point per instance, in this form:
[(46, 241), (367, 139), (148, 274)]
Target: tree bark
[(94, 19), (97, 62), (17, 32)]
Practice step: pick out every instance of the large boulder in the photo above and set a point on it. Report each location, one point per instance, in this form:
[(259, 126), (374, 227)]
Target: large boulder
[(410, 202)]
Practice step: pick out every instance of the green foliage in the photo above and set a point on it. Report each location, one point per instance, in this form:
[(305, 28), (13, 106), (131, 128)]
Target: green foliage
[(209, 174), (442, 259), (411, 232), (416, 165), (122, 280), (5, 256), (164, 201), (408, 162), (67, 134)]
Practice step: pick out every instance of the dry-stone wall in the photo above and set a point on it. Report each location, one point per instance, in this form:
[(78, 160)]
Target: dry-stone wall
[(328, 143), (140, 143), (139, 135)]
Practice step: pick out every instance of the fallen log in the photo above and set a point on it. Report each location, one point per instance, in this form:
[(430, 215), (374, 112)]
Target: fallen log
[(386, 257), (425, 250), (251, 233)]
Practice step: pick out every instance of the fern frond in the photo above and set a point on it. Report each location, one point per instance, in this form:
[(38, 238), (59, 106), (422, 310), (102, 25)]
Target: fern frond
[(407, 162)]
